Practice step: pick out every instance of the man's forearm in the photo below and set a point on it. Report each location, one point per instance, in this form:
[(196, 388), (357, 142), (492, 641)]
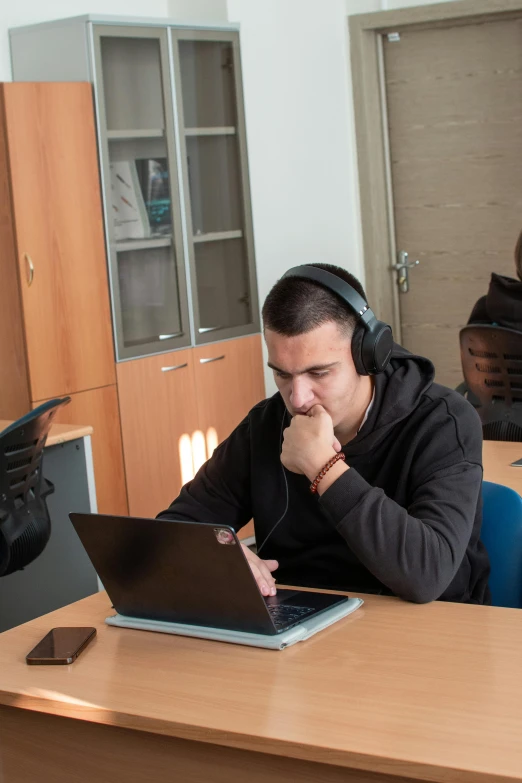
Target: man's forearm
[(415, 551)]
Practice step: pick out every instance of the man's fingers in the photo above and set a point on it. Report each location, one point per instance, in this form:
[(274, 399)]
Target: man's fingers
[(261, 582), (316, 410), (337, 446), (262, 575), (268, 581), (261, 570)]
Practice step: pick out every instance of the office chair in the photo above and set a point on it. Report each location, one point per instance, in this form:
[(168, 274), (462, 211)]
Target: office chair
[(25, 525), (492, 364), (502, 537)]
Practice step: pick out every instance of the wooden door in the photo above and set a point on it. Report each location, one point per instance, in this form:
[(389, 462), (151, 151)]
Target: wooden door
[(55, 191), (454, 102), (158, 419), (229, 381), (99, 409)]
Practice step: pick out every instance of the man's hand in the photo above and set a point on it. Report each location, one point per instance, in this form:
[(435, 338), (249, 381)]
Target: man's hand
[(262, 570), (309, 442)]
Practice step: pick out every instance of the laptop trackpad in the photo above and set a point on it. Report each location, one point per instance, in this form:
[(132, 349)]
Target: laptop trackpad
[(283, 596)]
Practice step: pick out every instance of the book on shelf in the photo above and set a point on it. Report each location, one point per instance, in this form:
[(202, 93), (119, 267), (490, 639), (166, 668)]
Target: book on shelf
[(128, 205), (140, 198), (153, 175)]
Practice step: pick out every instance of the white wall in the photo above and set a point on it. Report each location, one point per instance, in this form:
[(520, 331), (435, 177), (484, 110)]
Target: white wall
[(299, 125), (14, 14)]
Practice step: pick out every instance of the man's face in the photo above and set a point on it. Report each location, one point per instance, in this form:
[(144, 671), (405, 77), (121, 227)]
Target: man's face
[(315, 368)]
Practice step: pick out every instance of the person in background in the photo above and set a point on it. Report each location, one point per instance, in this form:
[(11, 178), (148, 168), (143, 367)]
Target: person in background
[(502, 304)]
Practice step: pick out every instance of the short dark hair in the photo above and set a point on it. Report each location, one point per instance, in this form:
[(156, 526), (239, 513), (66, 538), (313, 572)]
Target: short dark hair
[(518, 256), (296, 306)]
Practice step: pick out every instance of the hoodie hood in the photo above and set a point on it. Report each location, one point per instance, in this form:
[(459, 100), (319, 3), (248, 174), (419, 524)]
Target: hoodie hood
[(504, 301), (397, 394)]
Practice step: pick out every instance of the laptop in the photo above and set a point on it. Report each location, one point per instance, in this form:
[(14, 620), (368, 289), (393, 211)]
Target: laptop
[(188, 572)]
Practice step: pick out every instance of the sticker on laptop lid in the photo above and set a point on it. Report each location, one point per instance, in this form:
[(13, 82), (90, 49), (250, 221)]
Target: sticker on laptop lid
[(224, 536)]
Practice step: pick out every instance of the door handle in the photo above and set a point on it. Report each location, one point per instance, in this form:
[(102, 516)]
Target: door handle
[(30, 268), (213, 359), (402, 268), (203, 329), (174, 367)]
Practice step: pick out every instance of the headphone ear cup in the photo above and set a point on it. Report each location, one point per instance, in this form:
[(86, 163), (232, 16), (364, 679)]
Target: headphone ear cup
[(372, 347), (383, 348), (357, 350)]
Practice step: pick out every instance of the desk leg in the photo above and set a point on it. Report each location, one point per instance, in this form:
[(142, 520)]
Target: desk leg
[(40, 747), (89, 471), (91, 485)]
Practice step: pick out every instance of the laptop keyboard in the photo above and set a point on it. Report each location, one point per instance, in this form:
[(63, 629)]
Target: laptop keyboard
[(285, 614)]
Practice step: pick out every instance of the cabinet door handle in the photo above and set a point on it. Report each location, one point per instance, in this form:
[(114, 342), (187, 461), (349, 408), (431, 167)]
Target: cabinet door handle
[(213, 359), (30, 268), (174, 367), (170, 336), (203, 329)]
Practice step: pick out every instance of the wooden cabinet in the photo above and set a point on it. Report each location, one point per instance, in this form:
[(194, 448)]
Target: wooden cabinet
[(14, 387), (99, 408), (176, 407), (159, 418), (229, 381), (55, 324), (56, 213)]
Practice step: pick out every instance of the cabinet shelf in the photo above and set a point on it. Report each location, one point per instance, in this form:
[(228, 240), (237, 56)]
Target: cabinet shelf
[(142, 244), (217, 236), (227, 130), (144, 133)]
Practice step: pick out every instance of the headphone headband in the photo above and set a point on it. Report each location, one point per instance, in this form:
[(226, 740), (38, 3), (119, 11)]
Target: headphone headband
[(372, 340), (340, 287)]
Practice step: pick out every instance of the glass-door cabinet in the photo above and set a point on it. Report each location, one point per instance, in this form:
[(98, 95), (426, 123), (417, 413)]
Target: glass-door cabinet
[(143, 220), (176, 191), (215, 179), (142, 205)]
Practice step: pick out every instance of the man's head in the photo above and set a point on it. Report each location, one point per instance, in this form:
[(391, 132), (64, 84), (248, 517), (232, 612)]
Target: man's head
[(295, 306), (308, 331)]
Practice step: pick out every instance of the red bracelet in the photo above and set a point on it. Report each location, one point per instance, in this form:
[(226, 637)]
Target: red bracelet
[(324, 471)]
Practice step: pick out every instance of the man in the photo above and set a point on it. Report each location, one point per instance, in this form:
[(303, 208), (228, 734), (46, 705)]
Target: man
[(358, 482)]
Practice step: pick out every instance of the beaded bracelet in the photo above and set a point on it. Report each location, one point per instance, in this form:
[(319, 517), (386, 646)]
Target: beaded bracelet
[(323, 472)]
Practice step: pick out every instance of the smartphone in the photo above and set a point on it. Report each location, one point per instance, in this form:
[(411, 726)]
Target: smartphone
[(61, 645)]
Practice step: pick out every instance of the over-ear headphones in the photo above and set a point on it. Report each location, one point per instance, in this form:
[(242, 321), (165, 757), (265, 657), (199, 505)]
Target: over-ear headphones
[(372, 340)]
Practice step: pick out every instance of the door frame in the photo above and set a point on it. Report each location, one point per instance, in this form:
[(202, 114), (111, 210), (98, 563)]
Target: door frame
[(371, 130)]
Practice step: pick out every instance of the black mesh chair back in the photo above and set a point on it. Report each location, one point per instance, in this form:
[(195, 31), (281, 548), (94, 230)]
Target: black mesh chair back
[(25, 526), (492, 365)]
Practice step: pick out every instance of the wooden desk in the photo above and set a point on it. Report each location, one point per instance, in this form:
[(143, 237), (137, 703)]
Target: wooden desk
[(394, 692), (62, 573), (59, 433), (497, 457)]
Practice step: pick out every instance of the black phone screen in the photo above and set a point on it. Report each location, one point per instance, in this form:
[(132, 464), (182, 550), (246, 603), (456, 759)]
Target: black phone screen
[(61, 645)]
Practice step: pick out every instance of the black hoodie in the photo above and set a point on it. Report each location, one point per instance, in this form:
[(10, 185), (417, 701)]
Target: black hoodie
[(404, 520), (502, 304)]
